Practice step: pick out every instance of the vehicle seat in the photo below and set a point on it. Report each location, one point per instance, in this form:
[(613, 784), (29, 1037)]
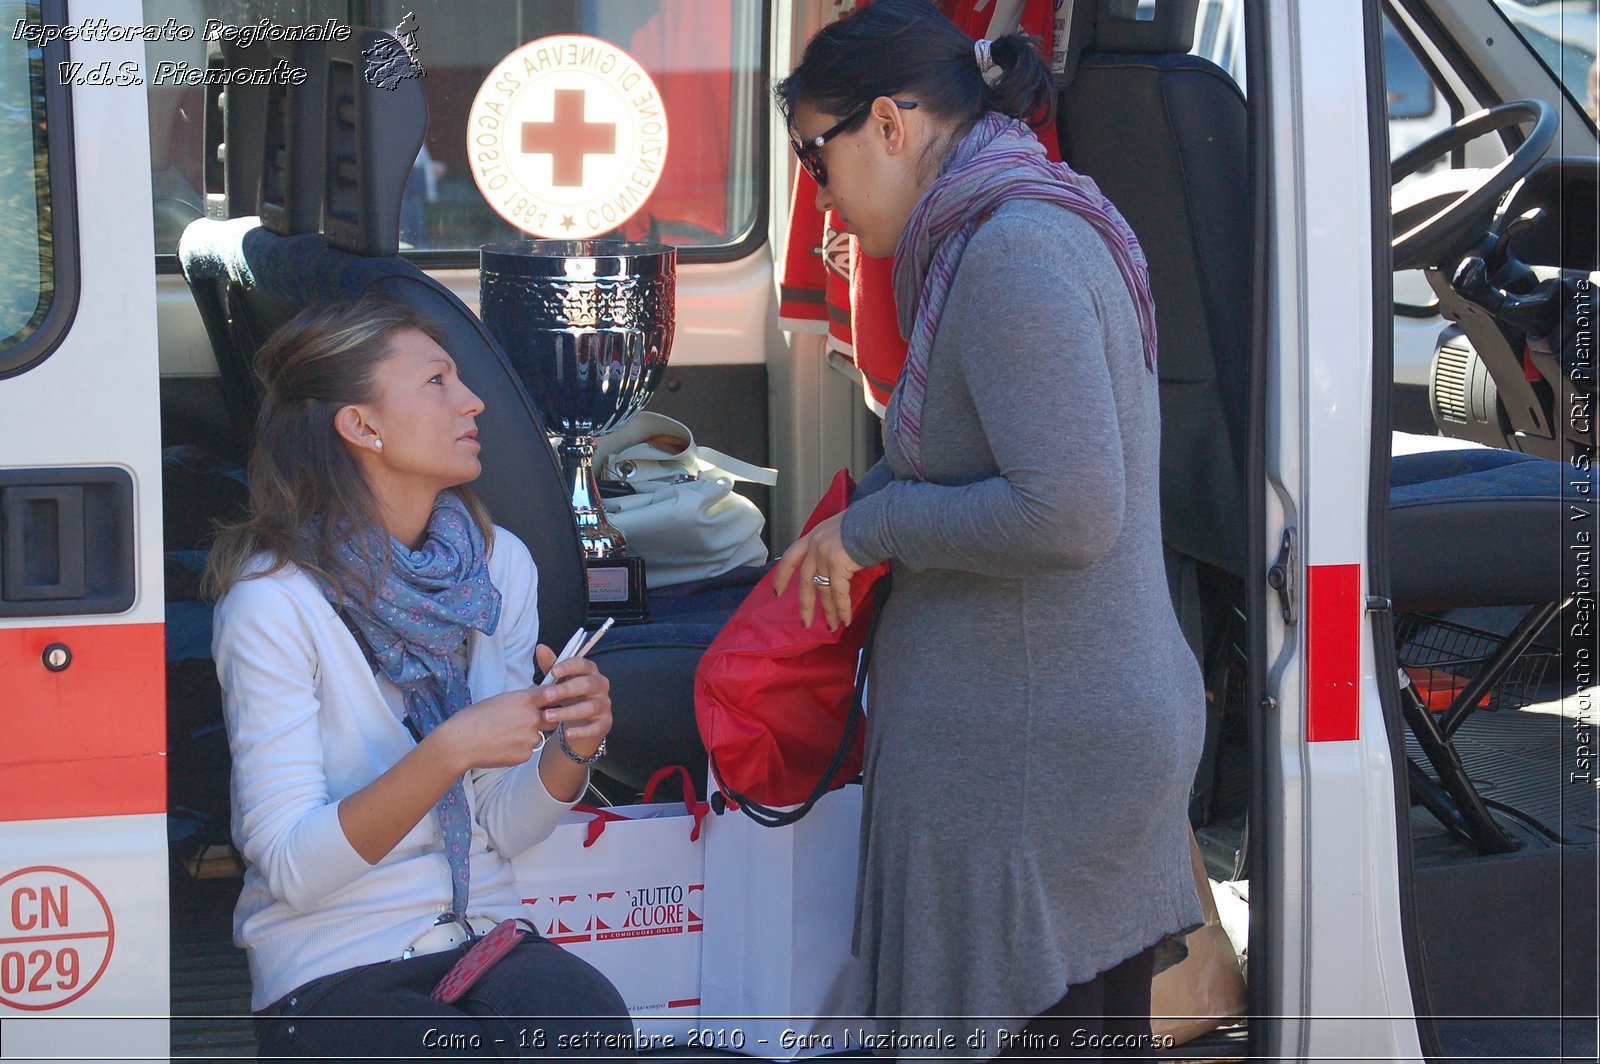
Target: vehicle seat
[(1479, 527), (1164, 135)]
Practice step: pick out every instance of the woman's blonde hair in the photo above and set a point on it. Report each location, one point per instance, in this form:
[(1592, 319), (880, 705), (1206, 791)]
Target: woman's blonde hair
[(307, 494)]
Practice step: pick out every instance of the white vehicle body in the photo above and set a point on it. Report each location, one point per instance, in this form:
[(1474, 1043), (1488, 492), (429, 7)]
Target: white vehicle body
[(1335, 968)]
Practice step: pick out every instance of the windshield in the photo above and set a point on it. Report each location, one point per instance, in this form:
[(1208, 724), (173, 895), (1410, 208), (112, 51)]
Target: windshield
[(1564, 34)]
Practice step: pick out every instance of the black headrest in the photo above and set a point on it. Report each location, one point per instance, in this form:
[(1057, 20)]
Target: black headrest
[(377, 115), (291, 178), (1119, 29), (234, 117)]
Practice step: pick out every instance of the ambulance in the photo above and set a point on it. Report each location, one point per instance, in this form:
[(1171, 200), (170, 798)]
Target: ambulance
[(1377, 378)]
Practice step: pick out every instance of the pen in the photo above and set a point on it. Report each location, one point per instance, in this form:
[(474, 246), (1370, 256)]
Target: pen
[(583, 642), (598, 632)]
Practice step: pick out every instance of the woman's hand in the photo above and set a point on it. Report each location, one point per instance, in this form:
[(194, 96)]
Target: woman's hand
[(820, 552), (580, 699), (507, 728)]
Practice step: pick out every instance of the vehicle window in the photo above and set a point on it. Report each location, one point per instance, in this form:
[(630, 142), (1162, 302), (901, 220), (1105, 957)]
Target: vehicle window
[(1219, 36), (177, 109), (1565, 35), (1417, 110), (1411, 94), (27, 258), (704, 57)]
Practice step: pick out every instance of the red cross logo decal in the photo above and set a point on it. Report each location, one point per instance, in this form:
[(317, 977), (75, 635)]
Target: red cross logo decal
[(569, 138)]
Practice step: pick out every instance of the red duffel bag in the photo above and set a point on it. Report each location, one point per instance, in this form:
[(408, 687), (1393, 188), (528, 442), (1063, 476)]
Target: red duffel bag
[(779, 704)]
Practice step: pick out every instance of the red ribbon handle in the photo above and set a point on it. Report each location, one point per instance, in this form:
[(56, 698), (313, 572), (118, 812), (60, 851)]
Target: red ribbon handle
[(691, 800), (599, 818)]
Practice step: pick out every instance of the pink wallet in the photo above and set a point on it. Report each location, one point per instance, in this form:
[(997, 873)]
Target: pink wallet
[(479, 959)]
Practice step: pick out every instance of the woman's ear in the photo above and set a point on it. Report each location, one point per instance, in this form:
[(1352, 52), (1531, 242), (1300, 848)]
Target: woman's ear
[(891, 124), (352, 426)]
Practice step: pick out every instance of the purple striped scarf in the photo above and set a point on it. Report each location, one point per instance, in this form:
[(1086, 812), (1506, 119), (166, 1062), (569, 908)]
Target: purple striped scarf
[(999, 160)]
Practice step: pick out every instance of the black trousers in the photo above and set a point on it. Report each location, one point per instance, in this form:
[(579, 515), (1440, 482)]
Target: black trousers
[(1106, 1018), (538, 1001)]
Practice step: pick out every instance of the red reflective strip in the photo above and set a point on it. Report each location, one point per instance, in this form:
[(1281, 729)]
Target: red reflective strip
[(89, 740), (1334, 607)]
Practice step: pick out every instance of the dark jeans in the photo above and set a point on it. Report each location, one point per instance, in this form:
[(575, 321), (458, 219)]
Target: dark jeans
[(1107, 1017), (538, 1001)]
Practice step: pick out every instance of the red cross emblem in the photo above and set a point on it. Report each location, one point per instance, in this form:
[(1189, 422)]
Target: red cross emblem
[(569, 138)]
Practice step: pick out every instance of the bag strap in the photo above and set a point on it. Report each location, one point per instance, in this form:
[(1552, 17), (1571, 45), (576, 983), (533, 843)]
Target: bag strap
[(691, 800), (740, 469), (598, 819), (766, 815), (372, 663)]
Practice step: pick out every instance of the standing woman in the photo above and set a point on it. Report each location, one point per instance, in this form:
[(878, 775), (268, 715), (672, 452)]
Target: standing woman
[(1036, 716), (376, 642)]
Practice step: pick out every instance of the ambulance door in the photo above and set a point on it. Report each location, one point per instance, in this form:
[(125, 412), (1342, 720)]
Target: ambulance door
[(1336, 970), (83, 882)]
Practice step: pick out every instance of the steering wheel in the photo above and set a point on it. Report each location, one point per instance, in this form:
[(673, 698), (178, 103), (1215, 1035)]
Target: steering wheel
[(1443, 215)]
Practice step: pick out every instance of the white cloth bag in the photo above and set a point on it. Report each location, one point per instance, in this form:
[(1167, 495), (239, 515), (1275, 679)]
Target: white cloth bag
[(631, 903), (780, 908), (684, 518)]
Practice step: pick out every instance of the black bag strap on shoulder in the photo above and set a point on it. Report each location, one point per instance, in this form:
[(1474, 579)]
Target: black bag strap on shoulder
[(770, 817), (372, 662)]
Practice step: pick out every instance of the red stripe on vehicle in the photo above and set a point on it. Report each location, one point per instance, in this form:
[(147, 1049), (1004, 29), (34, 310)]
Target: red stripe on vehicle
[(1333, 650), (89, 740)]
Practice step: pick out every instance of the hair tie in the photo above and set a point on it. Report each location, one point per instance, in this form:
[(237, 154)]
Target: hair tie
[(986, 65)]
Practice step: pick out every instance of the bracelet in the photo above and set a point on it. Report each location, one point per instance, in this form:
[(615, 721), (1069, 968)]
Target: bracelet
[(561, 737)]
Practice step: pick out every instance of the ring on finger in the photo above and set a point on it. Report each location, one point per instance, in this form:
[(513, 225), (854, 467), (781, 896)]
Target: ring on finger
[(821, 581)]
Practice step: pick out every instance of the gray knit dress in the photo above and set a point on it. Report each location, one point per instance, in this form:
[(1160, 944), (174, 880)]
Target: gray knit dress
[(1035, 716)]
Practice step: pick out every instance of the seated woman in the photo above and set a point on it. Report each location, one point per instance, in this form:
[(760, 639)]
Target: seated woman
[(376, 643)]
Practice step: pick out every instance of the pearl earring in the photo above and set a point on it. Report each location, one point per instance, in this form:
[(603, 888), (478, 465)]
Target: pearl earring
[(377, 443)]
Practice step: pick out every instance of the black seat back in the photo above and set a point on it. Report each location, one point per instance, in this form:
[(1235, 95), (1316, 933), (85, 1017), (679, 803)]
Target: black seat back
[(1164, 135), (248, 279), (235, 115)]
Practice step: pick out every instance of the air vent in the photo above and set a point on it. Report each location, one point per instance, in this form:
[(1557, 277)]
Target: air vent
[(1451, 370)]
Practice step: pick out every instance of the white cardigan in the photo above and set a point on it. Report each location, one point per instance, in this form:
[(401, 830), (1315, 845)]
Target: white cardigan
[(308, 724)]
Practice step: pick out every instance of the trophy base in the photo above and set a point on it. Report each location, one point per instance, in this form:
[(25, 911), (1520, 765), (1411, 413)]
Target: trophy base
[(617, 589)]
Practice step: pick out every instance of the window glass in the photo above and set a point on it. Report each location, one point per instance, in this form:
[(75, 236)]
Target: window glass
[(1416, 106), (27, 259), (177, 111), (704, 57), (1410, 93), (1219, 37), (1417, 110), (1565, 34)]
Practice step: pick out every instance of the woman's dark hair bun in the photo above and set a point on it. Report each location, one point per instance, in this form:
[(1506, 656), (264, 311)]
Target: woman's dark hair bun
[(908, 48), (1025, 89)]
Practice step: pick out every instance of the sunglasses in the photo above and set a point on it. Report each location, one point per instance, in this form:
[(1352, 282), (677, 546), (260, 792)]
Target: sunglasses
[(810, 152)]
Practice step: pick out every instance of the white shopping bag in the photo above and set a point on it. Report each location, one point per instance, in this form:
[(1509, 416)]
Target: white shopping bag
[(780, 906), (624, 889)]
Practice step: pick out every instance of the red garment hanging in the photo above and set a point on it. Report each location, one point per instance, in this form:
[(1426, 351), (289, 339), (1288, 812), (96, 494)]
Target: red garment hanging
[(828, 285)]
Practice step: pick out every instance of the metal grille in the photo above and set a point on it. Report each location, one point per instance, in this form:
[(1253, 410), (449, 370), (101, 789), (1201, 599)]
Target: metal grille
[(1441, 657), (1450, 384)]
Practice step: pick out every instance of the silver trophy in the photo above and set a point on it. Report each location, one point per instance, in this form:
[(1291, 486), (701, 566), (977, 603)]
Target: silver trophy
[(587, 325)]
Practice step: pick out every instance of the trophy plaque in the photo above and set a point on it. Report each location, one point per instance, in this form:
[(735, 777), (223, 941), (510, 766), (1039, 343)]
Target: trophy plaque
[(587, 326)]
